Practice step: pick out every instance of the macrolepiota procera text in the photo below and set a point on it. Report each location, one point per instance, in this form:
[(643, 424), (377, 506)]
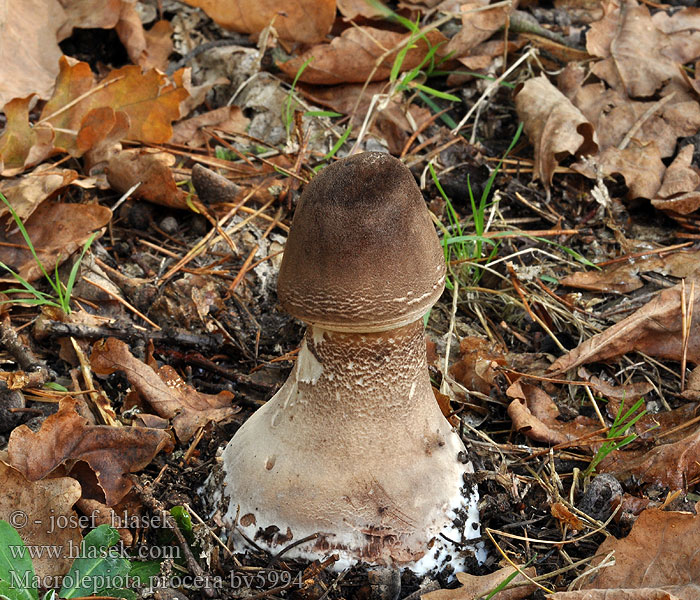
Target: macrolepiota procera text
[(354, 447)]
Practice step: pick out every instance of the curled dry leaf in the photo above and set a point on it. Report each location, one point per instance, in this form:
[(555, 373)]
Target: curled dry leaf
[(67, 439), (479, 23), (152, 169), (654, 329), (306, 21), (164, 390), (44, 503), (148, 49), (477, 586), (535, 414), (554, 125), (330, 64), (680, 190), (671, 567), (27, 192), (34, 65), (622, 278), (57, 230)]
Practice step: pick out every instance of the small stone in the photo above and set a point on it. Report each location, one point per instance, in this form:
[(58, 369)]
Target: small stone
[(601, 497), (169, 225)]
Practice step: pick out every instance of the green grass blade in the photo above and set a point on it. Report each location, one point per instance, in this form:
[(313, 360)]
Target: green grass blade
[(339, 143), (436, 93)]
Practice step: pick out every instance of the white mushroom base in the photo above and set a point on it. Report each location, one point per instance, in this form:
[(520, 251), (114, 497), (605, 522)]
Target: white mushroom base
[(353, 450)]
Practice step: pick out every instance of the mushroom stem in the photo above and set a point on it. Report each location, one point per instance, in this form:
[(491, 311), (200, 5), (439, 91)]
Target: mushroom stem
[(354, 447)]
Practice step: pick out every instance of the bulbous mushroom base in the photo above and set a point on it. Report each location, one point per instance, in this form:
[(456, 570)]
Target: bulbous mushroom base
[(353, 449)]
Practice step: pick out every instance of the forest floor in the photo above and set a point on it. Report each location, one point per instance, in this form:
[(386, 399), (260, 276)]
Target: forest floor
[(152, 159)]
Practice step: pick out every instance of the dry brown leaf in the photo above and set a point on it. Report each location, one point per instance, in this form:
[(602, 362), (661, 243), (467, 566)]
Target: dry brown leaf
[(306, 21), (148, 99), (152, 168), (680, 190), (671, 566), (638, 57), (164, 390), (562, 514), (654, 329), (554, 125), (57, 230), (622, 278), (477, 366), (22, 145), (670, 465), (67, 439), (535, 414), (148, 49), (229, 119), (641, 167), (478, 25), (27, 192), (90, 14), (29, 47), (351, 9), (477, 586), (629, 392), (613, 115), (330, 64), (37, 509)]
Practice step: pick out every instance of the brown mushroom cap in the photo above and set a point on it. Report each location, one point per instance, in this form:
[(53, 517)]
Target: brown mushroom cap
[(362, 253)]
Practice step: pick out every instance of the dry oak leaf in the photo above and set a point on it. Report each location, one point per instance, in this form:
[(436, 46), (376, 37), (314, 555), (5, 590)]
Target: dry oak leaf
[(478, 586), (659, 553), (638, 58), (26, 193), (29, 47), (554, 126), (149, 99), (352, 56), (680, 190), (22, 145), (535, 415), (655, 329), (164, 390), (57, 230), (67, 439), (306, 21), (45, 504), (623, 277), (152, 169)]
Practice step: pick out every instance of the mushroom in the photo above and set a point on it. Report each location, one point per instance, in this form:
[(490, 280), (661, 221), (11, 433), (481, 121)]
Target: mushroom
[(353, 449)]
